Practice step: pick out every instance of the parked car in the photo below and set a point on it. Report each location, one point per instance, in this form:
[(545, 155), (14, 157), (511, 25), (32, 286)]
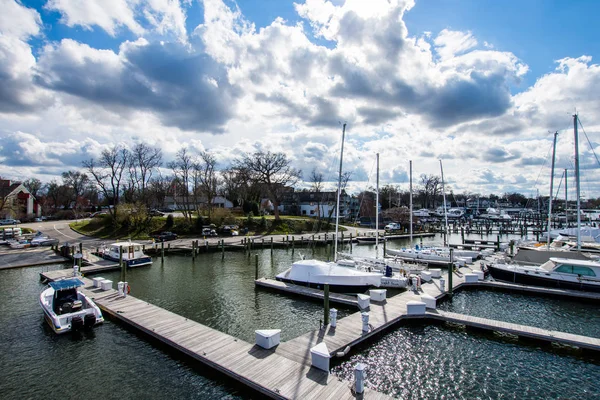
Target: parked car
[(209, 232), (155, 213), (393, 226), (166, 236), (37, 220), (9, 221)]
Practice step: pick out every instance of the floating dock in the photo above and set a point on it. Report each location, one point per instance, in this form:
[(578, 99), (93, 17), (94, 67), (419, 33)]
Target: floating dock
[(269, 372), (583, 342)]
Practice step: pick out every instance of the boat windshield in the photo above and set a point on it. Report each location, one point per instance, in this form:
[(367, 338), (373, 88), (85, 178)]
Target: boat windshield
[(548, 265)]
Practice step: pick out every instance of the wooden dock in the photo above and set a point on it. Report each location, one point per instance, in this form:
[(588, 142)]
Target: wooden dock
[(583, 342), (95, 267), (382, 316), (268, 372), (306, 291)]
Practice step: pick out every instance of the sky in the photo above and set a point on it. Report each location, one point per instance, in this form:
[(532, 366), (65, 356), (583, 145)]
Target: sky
[(480, 84)]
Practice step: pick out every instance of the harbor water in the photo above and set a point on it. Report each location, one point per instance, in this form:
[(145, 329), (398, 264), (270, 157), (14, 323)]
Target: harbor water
[(416, 361)]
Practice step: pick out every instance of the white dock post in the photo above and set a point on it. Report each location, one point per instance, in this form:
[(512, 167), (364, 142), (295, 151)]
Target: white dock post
[(442, 285), (365, 321), (120, 288), (359, 378), (333, 317), (125, 288)]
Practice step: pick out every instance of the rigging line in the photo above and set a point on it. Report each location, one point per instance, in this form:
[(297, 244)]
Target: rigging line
[(588, 140)]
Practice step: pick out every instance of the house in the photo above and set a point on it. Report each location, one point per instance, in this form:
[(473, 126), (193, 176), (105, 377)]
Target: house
[(176, 202), (17, 202)]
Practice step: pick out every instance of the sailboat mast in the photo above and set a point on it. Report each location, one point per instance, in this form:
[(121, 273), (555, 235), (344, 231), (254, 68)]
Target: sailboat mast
[(566, 203), (339, 193), (551, 189), (377, 210), (411, 203), (577, 181), (445, 211)]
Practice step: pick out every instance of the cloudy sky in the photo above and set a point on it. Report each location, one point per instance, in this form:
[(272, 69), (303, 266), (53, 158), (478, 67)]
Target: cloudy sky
[(479, 84)]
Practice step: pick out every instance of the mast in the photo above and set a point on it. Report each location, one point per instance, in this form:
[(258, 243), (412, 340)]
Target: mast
[(551, 189), (577, 181), (337, 206), (411, 203), (377, 210), (445, 211), (566, 203)]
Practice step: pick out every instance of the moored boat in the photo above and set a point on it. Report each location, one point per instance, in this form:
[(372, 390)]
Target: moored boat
[(563, 273), (68, 309), (315, 274), (132, 253)]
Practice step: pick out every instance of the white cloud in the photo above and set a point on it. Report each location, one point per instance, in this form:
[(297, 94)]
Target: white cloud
[(403, 94), (18, 21), (107, 14), (451, 43)]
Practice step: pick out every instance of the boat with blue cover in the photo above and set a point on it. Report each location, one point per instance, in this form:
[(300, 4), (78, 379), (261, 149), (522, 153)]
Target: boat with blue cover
[(66, 308)]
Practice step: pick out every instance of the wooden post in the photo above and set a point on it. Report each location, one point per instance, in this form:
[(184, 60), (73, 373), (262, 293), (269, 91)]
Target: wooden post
[(498, 243), (293, 244), (193, 249), (262, 244), (462, 234), (223, 249), (81, 248), (350, 242), (120, 257), (326, 305), (384, 244), (255, 266), (162, 252), (450, 272), (271, 245)]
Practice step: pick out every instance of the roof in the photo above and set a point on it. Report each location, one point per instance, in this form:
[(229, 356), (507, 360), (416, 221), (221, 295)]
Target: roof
[(65, 284)]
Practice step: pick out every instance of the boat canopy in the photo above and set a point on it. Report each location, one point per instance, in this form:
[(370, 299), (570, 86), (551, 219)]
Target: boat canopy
[(65, 284)]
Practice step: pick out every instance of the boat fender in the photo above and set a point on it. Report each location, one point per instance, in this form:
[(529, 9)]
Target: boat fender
[(128, 289), (343, 353)]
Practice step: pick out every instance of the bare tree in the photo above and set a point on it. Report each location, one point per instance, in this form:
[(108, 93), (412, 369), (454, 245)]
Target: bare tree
[(182, 168), (34, 185), (108, 174), (430, 187), (77, 182), (316, 179), (273, 170), (143, 161), (205, 172)]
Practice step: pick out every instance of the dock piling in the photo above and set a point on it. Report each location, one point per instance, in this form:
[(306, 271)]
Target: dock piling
[(326, 305), (255, 266)]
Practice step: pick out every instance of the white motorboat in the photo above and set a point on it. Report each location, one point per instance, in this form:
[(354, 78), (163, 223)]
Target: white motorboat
[(563, 273), (68, 309), (455, 213), (427, 255), (133, 255), (315, 273), (422, 213)]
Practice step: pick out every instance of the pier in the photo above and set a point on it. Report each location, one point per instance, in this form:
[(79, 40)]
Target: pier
[(268, 372), (384, 315)]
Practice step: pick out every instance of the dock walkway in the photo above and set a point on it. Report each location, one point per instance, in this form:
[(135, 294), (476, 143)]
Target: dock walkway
[(266, 371), (97, 266), (583, 342)]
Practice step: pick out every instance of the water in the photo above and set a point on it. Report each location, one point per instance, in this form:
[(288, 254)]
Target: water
[(431, 362), (554, 313), (117, 363), (108, 362)]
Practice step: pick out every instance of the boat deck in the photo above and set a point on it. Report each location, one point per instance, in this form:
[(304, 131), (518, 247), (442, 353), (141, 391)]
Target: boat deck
[(266, 371)]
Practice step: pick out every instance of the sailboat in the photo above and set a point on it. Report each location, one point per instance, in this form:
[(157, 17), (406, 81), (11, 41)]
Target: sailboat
[(564, 272), (316, 273), (535, 253), (435, 255)]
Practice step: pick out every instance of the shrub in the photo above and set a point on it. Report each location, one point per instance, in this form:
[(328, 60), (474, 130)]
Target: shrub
[(255, 208), (170, 222)]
